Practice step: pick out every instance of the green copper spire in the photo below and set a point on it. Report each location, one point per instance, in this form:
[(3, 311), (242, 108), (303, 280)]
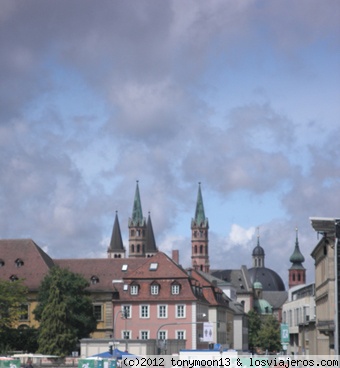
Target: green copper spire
[(297, 257), (137, 213), (200, 218)]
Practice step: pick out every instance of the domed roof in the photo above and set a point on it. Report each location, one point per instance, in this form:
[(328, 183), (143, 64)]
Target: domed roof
[(257, 285), (297, 257), (269, 279), (262, 306), (258, 251)]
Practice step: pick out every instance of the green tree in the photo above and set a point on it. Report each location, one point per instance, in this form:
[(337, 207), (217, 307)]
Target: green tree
[(254, 326), (19, 339), (269, 335), (13, 294), (65, 312)]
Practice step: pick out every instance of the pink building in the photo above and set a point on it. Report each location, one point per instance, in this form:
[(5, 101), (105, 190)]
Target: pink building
[(160, 301)]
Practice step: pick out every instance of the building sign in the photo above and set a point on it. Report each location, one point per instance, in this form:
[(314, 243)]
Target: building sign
[(284, 333), (207, 331)]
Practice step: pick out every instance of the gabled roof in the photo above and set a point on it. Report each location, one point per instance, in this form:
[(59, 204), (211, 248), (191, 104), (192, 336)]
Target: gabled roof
[(275, 298), (239, 278), (210, 291), (163, 267), (105, 269), (162, 270), (24, 259)]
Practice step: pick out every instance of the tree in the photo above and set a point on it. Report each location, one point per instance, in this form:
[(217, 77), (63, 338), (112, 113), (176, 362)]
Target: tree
[(12, 297), (254, 326), (65, 312), (269, 335)]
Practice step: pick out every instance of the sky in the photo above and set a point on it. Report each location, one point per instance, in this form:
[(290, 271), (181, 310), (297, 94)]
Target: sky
[(241, 96)]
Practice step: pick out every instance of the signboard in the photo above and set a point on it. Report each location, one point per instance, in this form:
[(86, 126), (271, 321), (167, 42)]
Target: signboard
[(284, 333), (207, 331)]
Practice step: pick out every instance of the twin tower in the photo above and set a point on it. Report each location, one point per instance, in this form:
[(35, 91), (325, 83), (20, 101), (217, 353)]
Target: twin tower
[(142, 240)]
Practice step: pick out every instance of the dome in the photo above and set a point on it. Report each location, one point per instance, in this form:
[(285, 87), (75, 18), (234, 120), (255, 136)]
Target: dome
[(269, 279), (258, 251), (297, 256), (257, 285)]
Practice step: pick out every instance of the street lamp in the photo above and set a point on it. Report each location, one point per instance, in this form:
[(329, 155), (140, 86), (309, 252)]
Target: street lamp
[(176, 324)]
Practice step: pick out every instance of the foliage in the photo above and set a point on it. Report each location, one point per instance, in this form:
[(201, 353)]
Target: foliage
[(12, 297), (269, 334), (65, 312), (254, 326), (264, 332), (19, 339)]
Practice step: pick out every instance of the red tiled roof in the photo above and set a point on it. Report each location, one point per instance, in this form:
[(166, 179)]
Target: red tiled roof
[(35, 262), (105, 269)]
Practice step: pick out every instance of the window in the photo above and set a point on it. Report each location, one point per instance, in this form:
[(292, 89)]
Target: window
[(175, 289), (126, 335), (134, 289), (162, 311), (153, 266), (144, 335), (154, 289), (97, 311), (14, 278), (162, 335), (2, 262), (126, 311), (124, 267), (180, 335), (144, 311), (19, 262), (94, 280), (180, 311), (24, 312)]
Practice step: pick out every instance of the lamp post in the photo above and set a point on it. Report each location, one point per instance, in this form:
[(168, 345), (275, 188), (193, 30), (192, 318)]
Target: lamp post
[(113, 344), (176, 324)]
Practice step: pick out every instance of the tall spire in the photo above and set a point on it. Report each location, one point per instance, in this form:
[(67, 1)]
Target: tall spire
[(116, 248), (200, 236), (199, 213), (137, 213), (150, 248), (137, 228)]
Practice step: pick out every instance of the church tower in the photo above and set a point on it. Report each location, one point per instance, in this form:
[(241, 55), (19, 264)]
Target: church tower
[(199, 237), (137, 229), (116, 248), (296, 273)]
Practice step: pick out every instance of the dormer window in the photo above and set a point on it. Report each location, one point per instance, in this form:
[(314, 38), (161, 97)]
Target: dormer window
[(175, 289), (153, 266), (94, 280), (19, 262), (134, 289), (154, 289)]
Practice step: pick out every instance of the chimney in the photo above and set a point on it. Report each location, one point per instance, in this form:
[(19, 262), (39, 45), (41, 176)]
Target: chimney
[(175, 255)]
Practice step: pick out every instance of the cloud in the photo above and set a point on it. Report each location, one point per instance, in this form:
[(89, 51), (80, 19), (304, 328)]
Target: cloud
[(94, 98)]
